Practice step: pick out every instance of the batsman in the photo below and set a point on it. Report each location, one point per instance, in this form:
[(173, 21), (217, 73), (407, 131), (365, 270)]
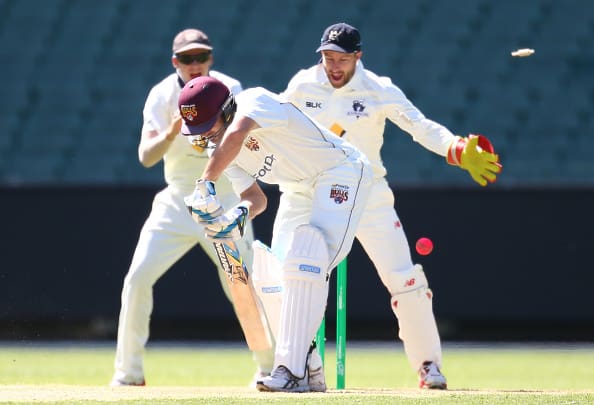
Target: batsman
[(324, 182)]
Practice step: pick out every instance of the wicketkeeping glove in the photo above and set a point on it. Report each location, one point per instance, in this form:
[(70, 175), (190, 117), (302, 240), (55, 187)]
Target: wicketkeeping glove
[(229, 226), (476, 155), (203, 203)]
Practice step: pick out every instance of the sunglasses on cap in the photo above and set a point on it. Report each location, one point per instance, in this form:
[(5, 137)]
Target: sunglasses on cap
[(188, 59)]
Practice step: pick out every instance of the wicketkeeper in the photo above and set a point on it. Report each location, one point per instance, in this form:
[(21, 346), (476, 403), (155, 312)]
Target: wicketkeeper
[(355, 103)]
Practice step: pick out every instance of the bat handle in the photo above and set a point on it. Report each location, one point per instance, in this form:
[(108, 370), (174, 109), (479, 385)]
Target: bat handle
[(204, 187)]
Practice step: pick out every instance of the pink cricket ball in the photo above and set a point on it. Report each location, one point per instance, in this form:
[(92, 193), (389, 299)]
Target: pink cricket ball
[(424, 246)]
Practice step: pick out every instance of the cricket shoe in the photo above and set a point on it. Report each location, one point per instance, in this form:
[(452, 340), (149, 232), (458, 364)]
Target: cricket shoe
[(282, 380), (315, 370), (120, 383), (431, 378)]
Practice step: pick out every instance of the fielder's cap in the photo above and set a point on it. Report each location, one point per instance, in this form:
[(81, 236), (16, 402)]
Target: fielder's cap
[(189, 39), (340, 37), (200, 104)]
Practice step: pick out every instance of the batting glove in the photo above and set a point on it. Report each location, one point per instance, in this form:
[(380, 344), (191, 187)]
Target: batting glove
[(476, 155), (203, 203), (229, 226)]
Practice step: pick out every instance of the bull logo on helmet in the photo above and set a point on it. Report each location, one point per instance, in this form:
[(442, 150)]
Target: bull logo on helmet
[(189, 112)]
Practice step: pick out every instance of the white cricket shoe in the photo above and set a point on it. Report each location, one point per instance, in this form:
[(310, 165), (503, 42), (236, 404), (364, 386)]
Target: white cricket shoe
[(431, 378), (315, 370), (282, 380)]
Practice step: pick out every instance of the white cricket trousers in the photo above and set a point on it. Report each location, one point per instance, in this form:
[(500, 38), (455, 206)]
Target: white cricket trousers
[(168, 234), (334, 204)]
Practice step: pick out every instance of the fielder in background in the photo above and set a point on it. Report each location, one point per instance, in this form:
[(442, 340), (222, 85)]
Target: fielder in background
[(355, 104), (324, 182), (169, 232)]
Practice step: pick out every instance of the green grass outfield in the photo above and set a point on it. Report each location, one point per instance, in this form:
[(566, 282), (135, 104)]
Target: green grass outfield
[(376, 373)]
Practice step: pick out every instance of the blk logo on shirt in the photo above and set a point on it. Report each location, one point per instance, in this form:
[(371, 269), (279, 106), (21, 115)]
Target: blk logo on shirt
[(313, 104)]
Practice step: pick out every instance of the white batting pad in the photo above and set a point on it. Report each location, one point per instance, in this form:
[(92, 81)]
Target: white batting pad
[(413, 306), (267, 279), (305, 295)]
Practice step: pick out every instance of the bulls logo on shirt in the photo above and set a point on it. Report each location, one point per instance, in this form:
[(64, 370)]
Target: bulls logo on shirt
[(339, 193)]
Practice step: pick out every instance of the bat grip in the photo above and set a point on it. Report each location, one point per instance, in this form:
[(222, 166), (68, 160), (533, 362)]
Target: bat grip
[(203, 189)]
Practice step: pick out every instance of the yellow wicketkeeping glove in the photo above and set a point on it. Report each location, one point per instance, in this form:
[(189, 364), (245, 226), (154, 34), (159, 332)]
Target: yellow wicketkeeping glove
[(476, 155)]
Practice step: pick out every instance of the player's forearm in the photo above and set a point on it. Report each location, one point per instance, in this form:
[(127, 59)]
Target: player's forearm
[(152, 147), (218, 162), (254, 199), (224, 154), (432, 135)]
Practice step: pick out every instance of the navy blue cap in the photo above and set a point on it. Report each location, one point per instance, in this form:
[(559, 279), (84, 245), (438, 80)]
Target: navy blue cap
[(340, 37)]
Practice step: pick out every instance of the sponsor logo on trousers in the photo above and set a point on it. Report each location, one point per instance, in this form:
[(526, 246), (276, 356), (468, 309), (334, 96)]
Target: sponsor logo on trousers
[(309, 268)]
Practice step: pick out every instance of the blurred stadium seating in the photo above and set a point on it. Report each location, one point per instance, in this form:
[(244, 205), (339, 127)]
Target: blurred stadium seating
[(75, 75)]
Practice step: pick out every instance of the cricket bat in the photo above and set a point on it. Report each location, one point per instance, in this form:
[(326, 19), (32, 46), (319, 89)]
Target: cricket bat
[(249, 313)]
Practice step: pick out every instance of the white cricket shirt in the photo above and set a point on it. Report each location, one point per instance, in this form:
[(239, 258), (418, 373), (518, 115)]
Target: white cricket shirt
[(290, 149), (359, 111)]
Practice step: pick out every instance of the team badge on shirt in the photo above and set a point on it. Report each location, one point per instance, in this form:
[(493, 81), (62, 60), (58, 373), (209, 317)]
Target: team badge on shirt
[(189, 111), (339, 193), (252, 144), (358, 109)]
